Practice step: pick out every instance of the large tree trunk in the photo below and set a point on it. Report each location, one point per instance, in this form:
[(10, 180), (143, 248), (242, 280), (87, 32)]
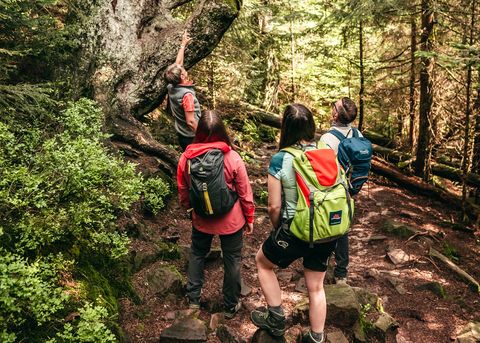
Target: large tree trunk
[(361, 93), (413, 49), (424, 147), (130, 43)]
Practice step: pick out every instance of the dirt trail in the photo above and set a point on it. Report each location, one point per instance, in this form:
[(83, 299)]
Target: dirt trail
[(422, 315)]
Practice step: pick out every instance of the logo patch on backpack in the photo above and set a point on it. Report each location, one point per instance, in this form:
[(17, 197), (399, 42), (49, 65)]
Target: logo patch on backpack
[(335, 218)]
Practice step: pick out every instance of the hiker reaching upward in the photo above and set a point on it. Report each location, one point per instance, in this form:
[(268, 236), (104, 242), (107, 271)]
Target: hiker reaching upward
[(182, 98), (296, 211), (213, 184), (354, 154)]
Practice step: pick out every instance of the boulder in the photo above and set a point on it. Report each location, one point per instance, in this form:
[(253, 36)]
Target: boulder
[(384, 324), (398, 229), (469, 334), (227, 335), (164, 279), (143, 257), (343, 308), (336, 336), (186, 330)]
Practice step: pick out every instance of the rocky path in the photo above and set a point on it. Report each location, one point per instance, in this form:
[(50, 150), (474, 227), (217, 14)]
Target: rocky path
[(398, 293)]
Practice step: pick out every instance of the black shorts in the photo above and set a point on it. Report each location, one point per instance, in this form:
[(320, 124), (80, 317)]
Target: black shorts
[(282, 248)]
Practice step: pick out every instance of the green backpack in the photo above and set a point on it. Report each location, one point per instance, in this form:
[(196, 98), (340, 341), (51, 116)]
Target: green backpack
[(324, 208)]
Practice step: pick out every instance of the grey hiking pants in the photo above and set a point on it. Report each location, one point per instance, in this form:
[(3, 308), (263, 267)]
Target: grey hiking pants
[(232, 254)]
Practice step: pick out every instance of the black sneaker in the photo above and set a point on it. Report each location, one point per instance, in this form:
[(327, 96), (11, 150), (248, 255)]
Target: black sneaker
[(273, 322), (307, 338), (230, 313)]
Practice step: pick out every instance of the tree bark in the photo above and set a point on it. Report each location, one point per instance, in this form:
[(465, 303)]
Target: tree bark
[(476, 142), (424, 147), (413, 49), (466, 137), (129, 44), (361, 92)]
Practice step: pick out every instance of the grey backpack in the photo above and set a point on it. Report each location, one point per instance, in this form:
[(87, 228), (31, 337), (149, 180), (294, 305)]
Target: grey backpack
[(209, 193)]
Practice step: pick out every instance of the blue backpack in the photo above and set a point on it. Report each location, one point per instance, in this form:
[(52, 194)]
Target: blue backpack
[(355, 156)]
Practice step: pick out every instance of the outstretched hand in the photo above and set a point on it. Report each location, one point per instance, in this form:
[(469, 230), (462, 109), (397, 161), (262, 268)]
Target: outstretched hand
[(248, 229), (186, 39)]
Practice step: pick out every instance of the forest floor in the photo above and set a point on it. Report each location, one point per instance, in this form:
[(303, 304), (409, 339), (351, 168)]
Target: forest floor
[(422, 315)]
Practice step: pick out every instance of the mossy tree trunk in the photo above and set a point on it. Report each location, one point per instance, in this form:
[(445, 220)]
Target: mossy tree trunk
[(128, 46)]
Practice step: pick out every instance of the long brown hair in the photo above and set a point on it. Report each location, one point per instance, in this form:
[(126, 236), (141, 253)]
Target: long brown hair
[(297, 125), (210, 128)]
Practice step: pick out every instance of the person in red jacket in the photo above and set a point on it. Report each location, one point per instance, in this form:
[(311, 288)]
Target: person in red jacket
[(211, 133)]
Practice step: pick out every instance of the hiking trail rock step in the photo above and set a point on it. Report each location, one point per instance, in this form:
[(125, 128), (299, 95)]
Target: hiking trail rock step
[(262, 336), (342, 304), (228, 335), (188, 330)]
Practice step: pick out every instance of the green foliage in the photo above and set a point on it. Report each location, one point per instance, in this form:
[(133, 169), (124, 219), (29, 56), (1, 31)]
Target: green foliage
[(90, 327), (61, 192), (71, 190), (29, 292), (154, 192)]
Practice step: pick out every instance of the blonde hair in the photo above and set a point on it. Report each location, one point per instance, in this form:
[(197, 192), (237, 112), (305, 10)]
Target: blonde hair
[(173, 73)]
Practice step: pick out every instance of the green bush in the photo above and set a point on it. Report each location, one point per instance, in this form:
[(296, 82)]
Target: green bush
[(90, 327), (154, 192), (61, 193), (29, 293)]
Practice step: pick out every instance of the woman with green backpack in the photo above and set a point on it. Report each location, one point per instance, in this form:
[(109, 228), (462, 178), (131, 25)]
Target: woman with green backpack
[(309, 208)]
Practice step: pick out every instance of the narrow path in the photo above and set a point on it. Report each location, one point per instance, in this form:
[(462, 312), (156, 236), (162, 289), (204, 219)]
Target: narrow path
[(422, 315)]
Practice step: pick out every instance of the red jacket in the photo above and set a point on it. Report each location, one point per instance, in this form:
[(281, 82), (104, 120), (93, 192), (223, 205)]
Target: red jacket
[(236, 178)]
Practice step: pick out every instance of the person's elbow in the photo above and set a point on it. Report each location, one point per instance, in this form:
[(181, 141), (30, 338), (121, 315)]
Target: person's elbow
[(273, 210)]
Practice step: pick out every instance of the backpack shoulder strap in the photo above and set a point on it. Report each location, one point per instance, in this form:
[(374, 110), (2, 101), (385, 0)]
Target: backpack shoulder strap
[(292, 151), (355, 132), (337, 134)]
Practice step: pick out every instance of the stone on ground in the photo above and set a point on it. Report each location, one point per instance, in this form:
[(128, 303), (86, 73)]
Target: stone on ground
[(164, 279), (186, 330), (398, 229), (336, 336), (245, 289), (434, 287), (227, 335), (216, 320), (398, 257), (343, 308), (469, 334), (301, 286)]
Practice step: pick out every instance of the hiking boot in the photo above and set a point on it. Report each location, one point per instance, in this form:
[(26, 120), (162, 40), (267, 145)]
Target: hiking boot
[(231, 312), (273, 322), (307, 338), (341, 281)]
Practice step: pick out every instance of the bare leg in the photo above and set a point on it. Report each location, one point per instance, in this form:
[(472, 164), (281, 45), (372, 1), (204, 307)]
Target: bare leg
[(268, 280), (318, 302)]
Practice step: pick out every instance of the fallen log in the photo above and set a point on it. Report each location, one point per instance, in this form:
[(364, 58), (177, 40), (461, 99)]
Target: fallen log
[(453, 267), (418, 186), (438, 169)]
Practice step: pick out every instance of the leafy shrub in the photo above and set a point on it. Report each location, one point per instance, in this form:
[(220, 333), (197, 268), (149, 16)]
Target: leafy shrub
[(29, 292), (90, 327), (154, 192), (61, 192)]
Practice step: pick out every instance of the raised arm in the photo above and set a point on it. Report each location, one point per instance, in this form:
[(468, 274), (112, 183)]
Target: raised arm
[(181, 52)]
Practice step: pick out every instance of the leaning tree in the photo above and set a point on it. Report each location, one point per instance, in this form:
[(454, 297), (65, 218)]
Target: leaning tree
[(126, 48)]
